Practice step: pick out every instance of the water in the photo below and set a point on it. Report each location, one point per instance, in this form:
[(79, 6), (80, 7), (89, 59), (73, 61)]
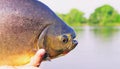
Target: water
[(98, 48)]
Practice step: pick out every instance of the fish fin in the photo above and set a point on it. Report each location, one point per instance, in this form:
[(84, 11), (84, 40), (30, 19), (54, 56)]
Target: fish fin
[(46, 57)]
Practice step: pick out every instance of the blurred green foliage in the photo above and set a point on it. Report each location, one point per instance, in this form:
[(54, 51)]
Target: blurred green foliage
[(105, 15), (73, 18)]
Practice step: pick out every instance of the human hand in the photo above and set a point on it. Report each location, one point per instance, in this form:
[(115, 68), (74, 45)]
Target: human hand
[(34, 63)]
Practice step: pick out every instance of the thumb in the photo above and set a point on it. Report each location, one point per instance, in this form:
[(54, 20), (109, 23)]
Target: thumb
[(37, 59)]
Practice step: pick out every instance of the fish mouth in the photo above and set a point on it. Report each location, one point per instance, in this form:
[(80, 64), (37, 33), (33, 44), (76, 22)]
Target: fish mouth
[(74, 43), (69, 48)]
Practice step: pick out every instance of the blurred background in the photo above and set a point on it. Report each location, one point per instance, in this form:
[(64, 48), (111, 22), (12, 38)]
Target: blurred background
[(97, 25)]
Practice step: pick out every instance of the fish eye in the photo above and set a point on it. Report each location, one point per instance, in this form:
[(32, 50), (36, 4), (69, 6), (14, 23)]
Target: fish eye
[(64, 39)]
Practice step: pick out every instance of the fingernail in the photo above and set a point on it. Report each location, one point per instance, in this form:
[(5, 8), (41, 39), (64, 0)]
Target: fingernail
[(41, 52)]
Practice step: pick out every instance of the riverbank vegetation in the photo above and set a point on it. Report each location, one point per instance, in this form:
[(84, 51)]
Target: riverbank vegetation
[(105, 15)]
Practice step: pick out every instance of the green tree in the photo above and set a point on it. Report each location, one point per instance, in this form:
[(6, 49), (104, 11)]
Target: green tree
[(74, 17), (117, 19), (104, 15)]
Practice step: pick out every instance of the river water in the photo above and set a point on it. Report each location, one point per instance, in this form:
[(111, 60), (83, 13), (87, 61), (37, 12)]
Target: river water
[(98, 48)]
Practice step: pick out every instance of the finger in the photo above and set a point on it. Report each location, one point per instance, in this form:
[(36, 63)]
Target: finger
[(36, 60)]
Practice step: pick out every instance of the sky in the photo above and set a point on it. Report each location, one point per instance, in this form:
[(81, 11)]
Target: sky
[(86, 6)]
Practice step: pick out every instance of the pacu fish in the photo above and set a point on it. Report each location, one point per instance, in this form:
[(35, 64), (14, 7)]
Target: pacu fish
[(29, 25)]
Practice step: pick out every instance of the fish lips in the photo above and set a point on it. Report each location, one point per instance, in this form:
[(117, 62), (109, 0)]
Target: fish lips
[(74, 44)]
